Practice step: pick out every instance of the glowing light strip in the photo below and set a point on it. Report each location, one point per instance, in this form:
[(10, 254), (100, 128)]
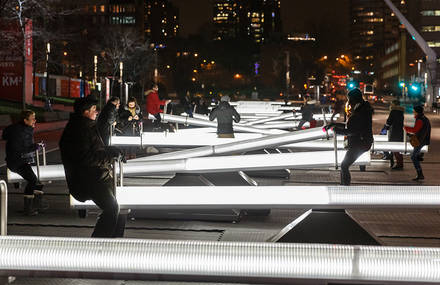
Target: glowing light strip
[(3, 208), (204, 123), (247, 145), (328, 145), (212, 164), (212, 260), (261, 197)]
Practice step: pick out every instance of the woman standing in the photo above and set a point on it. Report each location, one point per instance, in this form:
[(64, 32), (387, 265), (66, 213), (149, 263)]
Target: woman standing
[(422, 131)]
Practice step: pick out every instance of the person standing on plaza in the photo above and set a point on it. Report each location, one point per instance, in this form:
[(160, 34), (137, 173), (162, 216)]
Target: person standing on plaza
[(87, 163), (154, 104), (358, 131), (225, 115), (108, 118), (20, 154), (394, 126), (307, 114), (421, 133)]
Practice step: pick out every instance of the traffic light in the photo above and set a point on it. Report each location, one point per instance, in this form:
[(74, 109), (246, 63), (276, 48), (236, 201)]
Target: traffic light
[(415, 89), (352, 84)]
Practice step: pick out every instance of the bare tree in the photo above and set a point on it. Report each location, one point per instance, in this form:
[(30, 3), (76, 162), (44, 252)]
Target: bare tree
[(21, 13)]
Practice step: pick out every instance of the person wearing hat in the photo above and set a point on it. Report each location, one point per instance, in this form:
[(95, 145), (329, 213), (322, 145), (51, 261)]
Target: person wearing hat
[(358, 130), (422, 131), (87, 163), (394, 126), (225, 115)]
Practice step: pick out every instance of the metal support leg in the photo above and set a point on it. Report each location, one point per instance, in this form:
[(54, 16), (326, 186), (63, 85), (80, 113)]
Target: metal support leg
[(335, 145), (37, 156), (3, 208)]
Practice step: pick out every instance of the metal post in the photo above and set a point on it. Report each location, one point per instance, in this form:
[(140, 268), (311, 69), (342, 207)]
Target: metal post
[(335, 145), (44, 155), (37, 156), (121, 172), (3, 208), (115, 176), (405, 141)]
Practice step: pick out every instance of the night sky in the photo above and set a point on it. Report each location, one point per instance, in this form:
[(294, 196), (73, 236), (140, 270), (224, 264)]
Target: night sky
[(296, 15)]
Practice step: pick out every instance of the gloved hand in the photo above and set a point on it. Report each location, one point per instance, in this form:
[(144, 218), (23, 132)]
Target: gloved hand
[(328, 127), (123, 158), (39, 146), (383, 131)]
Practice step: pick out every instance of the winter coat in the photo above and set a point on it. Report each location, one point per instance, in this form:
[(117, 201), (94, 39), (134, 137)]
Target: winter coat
[(127, 127), (225, 114), (20, 145), (85, 158), (394, 124), (422, 130), (359, 126), (154, 103), (307, 112), (106, 118)]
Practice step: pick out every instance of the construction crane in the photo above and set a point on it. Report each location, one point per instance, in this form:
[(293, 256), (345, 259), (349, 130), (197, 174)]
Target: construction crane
[(431, 56)]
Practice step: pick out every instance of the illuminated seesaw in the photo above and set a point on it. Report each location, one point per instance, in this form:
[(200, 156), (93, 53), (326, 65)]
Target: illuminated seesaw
[(213, 261), (216, 164), (272, 197), (244, 145), (195, 139)]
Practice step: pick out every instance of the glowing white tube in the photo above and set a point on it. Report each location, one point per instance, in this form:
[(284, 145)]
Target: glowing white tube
[(264, 197), (218, 261), (283, 125), (213, 164), (242, 146), (204, 123)]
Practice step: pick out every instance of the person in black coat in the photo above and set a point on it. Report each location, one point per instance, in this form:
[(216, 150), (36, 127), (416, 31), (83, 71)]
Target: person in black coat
[(225, 114), (358, 131), (130, 118), (108, 119), (394, 125), (20, 153), (87, 163), (307, 114), (422, 131)]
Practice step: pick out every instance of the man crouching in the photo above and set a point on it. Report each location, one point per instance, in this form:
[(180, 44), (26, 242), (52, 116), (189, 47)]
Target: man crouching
[(87, 166)]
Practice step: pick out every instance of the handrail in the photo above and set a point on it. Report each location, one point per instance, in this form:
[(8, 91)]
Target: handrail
[(3, 208), (243, 262)]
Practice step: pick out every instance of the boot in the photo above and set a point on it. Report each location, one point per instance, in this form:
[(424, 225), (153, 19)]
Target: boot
[(28, 206), (419, 176), (40, 203)]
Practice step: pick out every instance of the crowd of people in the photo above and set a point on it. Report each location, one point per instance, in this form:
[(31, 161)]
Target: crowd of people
[(87, 153)]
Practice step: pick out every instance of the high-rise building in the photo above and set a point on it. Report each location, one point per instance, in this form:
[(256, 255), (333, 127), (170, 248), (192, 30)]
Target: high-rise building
[(161, 21), (259, 20), (373, 28), (429, 23), (226, 18)]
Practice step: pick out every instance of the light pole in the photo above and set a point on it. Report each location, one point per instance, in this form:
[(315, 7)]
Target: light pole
[(47, 69), (121, 68)]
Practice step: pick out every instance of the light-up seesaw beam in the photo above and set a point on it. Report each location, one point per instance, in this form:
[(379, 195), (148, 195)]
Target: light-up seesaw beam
[(212, 261), (211, 164), (273, 197), (204, 123), (245, 145), (188, 140)]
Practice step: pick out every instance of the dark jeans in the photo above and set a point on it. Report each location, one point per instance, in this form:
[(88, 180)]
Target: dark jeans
[(415, 157), (156, 123), (110, 222), (26, 172), (350, 157)]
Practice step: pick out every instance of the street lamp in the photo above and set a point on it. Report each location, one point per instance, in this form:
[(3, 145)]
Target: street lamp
[(121, 68)]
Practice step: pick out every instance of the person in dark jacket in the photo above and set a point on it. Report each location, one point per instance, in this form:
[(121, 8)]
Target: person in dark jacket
[(422, 130), (394, 125), (108, 119), (358, 131), (86, 163), (307, 114), (130, 118), (225, 114), (20, 153)]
